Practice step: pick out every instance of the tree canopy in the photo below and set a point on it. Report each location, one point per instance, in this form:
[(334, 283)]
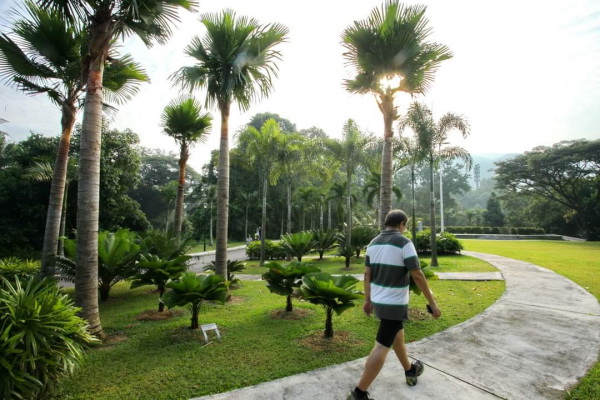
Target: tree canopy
[(566, 173)]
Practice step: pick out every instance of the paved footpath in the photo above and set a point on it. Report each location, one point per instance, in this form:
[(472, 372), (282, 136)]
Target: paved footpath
[(536, 341)]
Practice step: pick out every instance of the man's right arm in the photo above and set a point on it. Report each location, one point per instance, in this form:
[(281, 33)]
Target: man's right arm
[(368, 307), (421, 281)]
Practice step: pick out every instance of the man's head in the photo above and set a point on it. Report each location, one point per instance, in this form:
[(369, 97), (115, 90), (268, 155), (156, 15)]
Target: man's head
[(395, 218)]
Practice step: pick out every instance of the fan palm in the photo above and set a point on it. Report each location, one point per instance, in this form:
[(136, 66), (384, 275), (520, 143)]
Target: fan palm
[(184, 121), (388, 46), (432, 136), (105, 21), (43, 54), (235, 63)]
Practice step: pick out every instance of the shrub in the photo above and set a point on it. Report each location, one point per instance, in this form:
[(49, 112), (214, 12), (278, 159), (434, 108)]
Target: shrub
[(334, 293), (13, 268), (193, 289), (42, 338), (273, 251), (447, 243), (423, 242), (297, 244), (282, 279), (153, 270), (232, 266), (361, 237), (324, 240), (117, 255)]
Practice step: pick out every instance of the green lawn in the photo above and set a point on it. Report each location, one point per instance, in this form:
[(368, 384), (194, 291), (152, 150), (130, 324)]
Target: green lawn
[(163, 360), (578, 261), (337, 265)]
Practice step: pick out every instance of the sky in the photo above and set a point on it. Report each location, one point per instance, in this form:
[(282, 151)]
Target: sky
[(524, 73)]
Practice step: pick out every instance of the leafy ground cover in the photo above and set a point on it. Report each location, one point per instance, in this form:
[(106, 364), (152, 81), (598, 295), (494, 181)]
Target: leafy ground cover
[(578, 261), (336, 265), (164, 360)]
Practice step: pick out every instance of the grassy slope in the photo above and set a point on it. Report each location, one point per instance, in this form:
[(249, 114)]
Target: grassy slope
[(161, 360), (578, 261)]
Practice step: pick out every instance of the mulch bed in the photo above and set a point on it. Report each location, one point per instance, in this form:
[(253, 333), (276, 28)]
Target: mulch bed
[(337, 344), (295, 314), (154, 315)]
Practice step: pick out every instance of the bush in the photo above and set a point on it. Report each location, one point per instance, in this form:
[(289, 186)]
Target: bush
[(273, 251), (503, 230), (298, 244), (13, 268), (42, 338), (447, 243)]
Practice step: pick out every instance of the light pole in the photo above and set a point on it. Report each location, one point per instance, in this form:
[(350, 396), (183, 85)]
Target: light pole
[(204, 226)]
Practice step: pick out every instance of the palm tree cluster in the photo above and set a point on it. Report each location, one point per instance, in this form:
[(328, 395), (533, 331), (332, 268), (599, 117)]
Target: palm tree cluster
[(68, 50)]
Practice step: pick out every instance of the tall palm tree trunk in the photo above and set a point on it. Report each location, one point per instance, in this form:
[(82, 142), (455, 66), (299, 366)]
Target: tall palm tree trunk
[(263, 223), (385, 191), (88, 197), (223, 195), (57, 193), (289, 207), (349, 208), (329, 214), (63, 223), (177, 223), (434, 260), (414, 205), (210, 217)]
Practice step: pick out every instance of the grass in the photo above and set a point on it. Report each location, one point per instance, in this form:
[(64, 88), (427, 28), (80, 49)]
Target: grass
[(578, 261), (200, 246), (337, 265), (147, 355)]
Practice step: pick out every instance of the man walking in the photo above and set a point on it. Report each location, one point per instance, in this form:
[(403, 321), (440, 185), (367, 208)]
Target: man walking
[(391, 261)]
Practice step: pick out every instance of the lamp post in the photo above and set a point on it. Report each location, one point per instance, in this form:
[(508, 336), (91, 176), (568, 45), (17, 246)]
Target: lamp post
[(204, 226)]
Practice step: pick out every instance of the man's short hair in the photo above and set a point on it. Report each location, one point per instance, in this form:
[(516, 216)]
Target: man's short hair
[(394, 218)]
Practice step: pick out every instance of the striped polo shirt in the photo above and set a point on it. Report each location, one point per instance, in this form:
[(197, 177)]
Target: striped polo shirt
[(391, 256)]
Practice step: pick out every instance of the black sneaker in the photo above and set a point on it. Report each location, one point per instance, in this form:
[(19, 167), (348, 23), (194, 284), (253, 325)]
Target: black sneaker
[(415, 371), (354, 396)]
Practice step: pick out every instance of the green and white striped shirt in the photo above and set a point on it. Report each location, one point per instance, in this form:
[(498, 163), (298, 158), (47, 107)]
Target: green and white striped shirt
[(391, 256)]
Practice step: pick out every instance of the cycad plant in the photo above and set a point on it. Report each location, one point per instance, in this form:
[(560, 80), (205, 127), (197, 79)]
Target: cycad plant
[(232, 266), (117, 254), (334, 293), (283, 279), (361, 237), (298, 244), (324, 240), (42, 338), (191, 289), (153, 270), (344, 250)]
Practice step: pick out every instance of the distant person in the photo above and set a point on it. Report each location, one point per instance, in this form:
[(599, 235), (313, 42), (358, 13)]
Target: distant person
[(391, 261), (248, 239)]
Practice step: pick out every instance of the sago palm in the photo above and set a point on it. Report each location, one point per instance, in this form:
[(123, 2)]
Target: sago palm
[(236, 62), (105, 21), (432, 136), (184, 121), (43, 54), (390, 53)]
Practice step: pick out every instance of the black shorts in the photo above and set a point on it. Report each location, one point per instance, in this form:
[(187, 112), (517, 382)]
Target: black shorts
[(388, 329)]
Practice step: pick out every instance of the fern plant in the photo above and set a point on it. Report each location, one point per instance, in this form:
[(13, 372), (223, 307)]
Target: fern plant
[(298, 244), (283, 279)]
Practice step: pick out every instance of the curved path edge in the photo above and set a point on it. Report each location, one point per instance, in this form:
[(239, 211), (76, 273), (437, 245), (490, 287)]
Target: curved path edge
[(534, 342)]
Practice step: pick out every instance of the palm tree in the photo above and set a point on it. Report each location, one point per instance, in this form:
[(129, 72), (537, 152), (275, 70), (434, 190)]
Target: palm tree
[(414, 155), (43, 54), (236, 62), (390, 53), (105, 21), (262, 147), (432, 136), (372, 189), (43, 172), (351, 149), (184, 121)]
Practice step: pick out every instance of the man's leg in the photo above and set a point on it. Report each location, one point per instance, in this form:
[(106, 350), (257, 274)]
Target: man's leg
[(400, 350), (373, 366)]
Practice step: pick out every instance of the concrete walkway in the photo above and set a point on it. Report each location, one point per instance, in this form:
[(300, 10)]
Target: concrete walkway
[(536, 341)]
